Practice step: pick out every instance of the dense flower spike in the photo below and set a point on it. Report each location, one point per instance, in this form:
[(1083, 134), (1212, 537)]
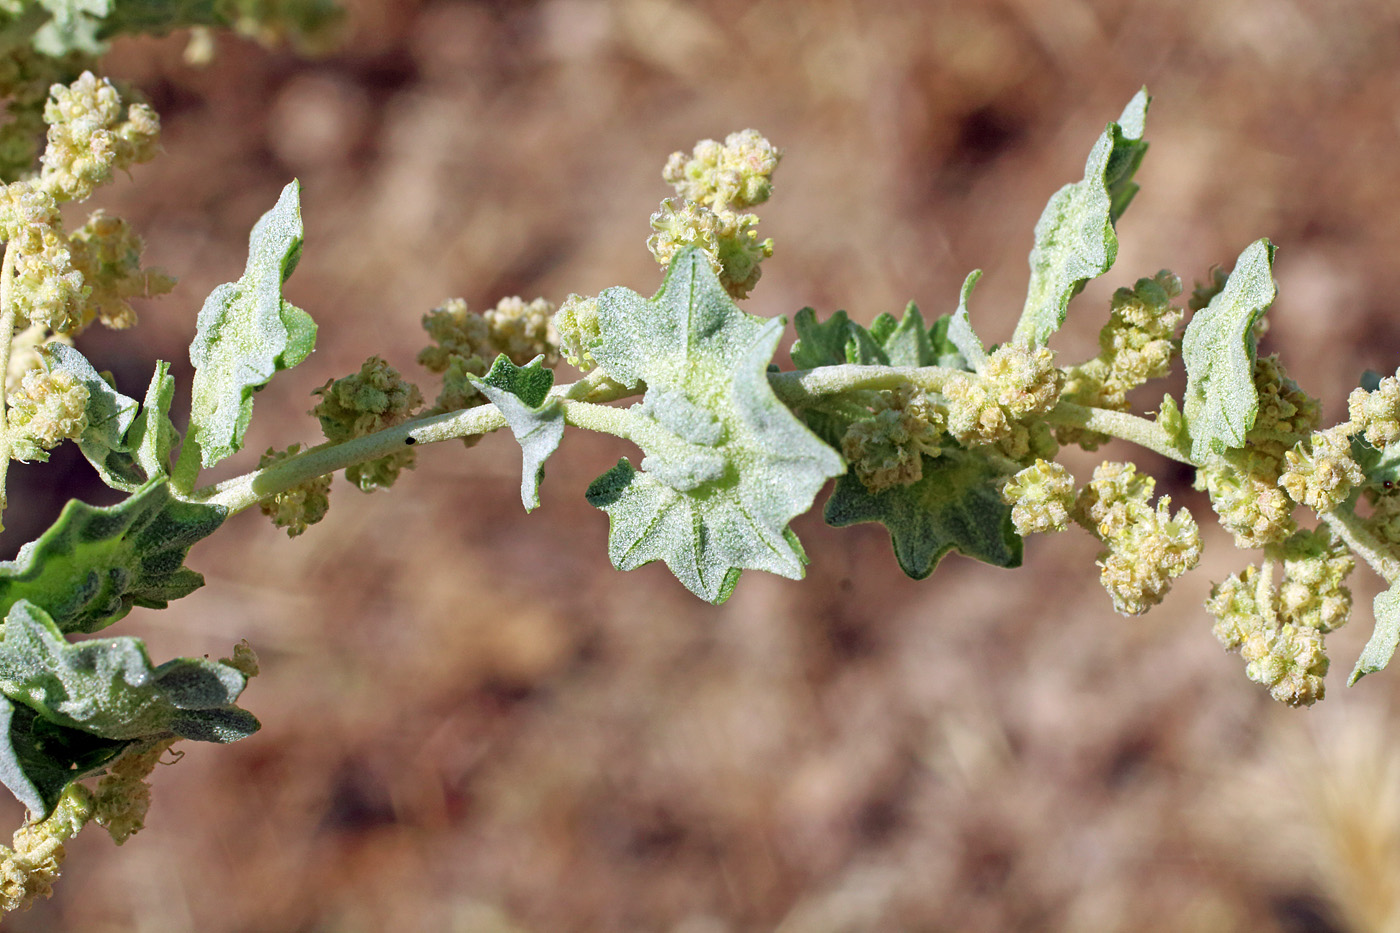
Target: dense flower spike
[(888, 448), (1313, 592), (28, 871), (1040, 497), (1147, 547), (994, 407), (735, 174), (728, 239), (297, 508)]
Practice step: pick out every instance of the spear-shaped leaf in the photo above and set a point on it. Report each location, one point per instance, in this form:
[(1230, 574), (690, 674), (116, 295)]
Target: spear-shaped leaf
[(727, 466), (247, 334), (1074, 238), (1380, 648), (1221, 400), (522, 395), (93, 564)]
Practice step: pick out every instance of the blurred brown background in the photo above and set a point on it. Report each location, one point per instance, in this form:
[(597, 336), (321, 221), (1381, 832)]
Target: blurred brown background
[(473, 724)]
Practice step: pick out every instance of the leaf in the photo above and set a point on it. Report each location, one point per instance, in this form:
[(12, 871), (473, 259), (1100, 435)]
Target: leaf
[(38, 759), (1384, 639), (152, 434), (107, 686), (93, 564), (904, 342), (727, 466), (823, 343), (960, 333), (247, 334), (109, 413), (1074, 238), (1221, 401), (521, 393), (956, 505)]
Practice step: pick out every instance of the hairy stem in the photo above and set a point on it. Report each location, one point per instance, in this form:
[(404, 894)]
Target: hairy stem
[(1141, 431), (1351, 529), (805, 386)]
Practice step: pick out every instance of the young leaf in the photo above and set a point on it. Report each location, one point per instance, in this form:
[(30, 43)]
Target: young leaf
[(1384, 639), (521, 393), (38, 758), (107, 686), (1221, 401), (727, 466), (904, 342), (109, 413), (820, 343), (247, 334), (93, 564), (1074, 238), (960, 333), (957, 504)]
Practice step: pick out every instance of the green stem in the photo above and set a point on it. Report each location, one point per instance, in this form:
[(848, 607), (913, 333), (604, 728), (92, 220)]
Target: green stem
[(1141, 431), (805, 386), (1350, 528)]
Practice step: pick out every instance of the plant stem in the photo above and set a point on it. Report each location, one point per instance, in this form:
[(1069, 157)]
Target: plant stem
[(1141, 431), (803, 387), (7, 331)]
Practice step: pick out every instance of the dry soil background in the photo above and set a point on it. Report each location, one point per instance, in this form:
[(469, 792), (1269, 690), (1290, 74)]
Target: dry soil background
[(473, 724)]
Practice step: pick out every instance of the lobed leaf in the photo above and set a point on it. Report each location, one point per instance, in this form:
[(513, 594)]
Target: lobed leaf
[(247, 334), (1221, 401), (727, 465), (522, 395), (956, 505), (1075, 239), (889, 341), (1380, 648), (108, 687), (38, 758), (93, 564)]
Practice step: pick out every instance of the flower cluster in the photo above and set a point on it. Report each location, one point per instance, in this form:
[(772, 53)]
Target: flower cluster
[(1040, 497), (715, 182), (123, 797), (576, 322), (49, 408), (1147, 547), (996, 405), (1376, 414), (1244, 483), (1279, 632), (1321, 473), (1134, 346), (300, 507), (373, 399), (29, 870), (106, 251), (888, 448), (90, 137)]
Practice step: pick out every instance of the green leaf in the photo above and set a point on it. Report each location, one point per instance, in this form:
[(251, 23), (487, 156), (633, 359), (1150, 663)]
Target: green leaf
[(727, 466), (522, 395), (152, 434), (108, 687), (93, 564), (109, 413), (1221, 401), (832, 342), (1384, 639), (904, 342), (1074, 238), (945, 353), (956, 505), (247, 334), (38, 758), (960, 333)]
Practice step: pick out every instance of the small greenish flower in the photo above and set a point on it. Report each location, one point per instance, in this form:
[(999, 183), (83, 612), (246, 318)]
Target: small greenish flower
[(107, 252), (297, 508), (888, 448), (1040, 497), (1134, 346), (733, 175), (1234, 602), (456, 330), (577, 325), (1377, 414), (123, 795), (1321, 474), (373, 399), (49, 408), (727, 238), (90, 137), (523, 330), (1147, 547)]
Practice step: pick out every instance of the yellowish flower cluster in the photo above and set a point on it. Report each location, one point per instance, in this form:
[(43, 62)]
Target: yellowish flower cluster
[(123, 797), (577, 325), (888, 448), (1016, 383), (49, 408), (29, 870), (735, 174), (1040, 497)]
